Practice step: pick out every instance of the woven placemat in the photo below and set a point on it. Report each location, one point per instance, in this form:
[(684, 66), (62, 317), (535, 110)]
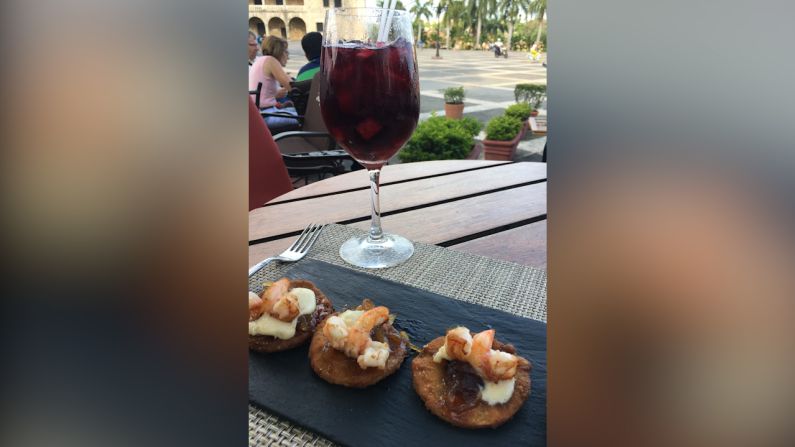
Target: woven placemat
[(510, 287)]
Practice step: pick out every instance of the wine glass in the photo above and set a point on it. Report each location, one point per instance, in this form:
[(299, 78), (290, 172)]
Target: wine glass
[(370, 102)]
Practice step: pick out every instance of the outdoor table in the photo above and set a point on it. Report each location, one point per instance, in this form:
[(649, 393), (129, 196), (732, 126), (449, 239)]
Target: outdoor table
[(490, 208), (479, 232)]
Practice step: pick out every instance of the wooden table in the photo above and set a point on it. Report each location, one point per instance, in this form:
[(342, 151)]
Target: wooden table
[(490, 208)]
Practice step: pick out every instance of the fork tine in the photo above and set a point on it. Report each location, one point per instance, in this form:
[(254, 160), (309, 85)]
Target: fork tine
[(300, 238), (306, 240), (315, 236)]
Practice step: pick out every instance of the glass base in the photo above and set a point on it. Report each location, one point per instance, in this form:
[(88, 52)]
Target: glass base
[(390, 251)]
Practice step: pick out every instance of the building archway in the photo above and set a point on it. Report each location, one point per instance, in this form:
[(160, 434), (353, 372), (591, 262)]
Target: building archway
[(256, 25), (297, 28), (276, 27)]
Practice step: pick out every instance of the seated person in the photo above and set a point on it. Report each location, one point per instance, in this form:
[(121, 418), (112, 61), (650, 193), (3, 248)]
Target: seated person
[(269, 70), (253, 49), (311, 43)]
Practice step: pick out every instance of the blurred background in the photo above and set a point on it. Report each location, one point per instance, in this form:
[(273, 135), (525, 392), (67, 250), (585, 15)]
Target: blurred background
[(670, 223), (124, 222)]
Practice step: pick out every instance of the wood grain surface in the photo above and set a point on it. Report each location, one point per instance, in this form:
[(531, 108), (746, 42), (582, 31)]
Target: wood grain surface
[(493, 209), (390, 174)]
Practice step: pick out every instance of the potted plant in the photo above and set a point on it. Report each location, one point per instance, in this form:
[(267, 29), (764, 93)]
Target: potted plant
[(522, 111), (533, 94), (454, 102), (439, 138), (502, 137)]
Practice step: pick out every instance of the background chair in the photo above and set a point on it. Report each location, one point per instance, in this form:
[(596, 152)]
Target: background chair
[(299, 95), (311, 151), (267, 174)]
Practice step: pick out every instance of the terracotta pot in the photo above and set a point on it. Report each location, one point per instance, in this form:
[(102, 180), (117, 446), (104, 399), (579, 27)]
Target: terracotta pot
[(477, 148), (454, 111), (500, 150), (525, 128)]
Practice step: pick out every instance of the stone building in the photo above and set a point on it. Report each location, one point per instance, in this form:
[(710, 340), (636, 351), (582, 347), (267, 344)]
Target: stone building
[(291, 19)]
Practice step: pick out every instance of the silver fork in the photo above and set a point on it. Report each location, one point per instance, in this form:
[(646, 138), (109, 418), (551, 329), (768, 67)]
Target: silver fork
[(296, 251)]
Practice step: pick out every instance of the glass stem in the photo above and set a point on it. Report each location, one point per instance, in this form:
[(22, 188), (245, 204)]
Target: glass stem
[(375, 225)]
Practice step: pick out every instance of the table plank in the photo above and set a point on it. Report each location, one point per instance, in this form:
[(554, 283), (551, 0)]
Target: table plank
[(453, 220), (286, 218), (523, 245), (390, 174)]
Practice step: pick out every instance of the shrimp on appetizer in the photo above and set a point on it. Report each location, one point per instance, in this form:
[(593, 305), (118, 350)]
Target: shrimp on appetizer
[(345, 353), (285, 315)]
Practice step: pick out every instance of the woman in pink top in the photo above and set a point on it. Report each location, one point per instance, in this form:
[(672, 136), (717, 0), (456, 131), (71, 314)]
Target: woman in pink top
[(270, 72)]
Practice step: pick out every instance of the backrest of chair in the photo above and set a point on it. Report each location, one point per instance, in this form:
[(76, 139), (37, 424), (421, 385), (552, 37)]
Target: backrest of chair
[(267, 174), (299, 95), (313, 122), (313, 119), (257, 93)]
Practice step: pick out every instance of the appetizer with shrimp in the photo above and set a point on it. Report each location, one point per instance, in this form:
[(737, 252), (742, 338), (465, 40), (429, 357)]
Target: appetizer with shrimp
[(471, 381), (285, 315), (357, 348)]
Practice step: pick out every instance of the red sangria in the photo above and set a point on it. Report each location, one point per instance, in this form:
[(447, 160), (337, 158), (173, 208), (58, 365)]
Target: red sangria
[(369, 98), (370, 101)]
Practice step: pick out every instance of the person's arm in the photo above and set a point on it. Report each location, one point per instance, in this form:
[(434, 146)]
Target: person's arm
[(273, 68)]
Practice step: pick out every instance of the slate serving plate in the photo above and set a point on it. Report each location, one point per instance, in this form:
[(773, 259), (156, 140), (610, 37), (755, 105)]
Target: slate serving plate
[(390, 412)]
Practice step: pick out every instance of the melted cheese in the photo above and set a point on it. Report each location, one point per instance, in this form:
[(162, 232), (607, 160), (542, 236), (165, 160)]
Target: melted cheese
[(267, 325), (494, 393), (306, 300), (441, 354)]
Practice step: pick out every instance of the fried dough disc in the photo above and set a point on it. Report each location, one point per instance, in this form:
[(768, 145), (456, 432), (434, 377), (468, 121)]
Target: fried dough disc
[(307, 324), (428, 378), (335, 367)]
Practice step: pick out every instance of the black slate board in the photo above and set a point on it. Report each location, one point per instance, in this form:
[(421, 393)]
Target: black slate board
[(390, 412)]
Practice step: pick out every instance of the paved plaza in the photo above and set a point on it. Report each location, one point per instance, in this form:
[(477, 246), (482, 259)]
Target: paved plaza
[(488, 83)]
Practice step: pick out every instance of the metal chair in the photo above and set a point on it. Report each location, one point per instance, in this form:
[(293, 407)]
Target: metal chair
[(312, 151)]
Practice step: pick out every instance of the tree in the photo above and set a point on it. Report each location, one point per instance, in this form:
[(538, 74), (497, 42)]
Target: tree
[(385, 4), (539, 7), (454, 11), (481, 8), (511, 9), (420, 10)]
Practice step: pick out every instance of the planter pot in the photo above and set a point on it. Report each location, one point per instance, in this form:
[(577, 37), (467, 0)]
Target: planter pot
[(525, 128), (500, 150), (474, 154), (454, 111)]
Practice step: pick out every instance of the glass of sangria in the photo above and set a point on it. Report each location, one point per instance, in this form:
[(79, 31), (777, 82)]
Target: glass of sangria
[(370, 102)]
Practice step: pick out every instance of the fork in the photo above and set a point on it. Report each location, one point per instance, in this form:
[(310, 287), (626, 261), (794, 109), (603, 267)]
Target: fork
[(296, 251)]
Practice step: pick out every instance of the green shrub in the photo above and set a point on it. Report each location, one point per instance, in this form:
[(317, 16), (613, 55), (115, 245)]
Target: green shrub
[(439, 138), (453, 95), (471, 125), (533, 94), (524, 35), (520, 110), (503, 128)]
